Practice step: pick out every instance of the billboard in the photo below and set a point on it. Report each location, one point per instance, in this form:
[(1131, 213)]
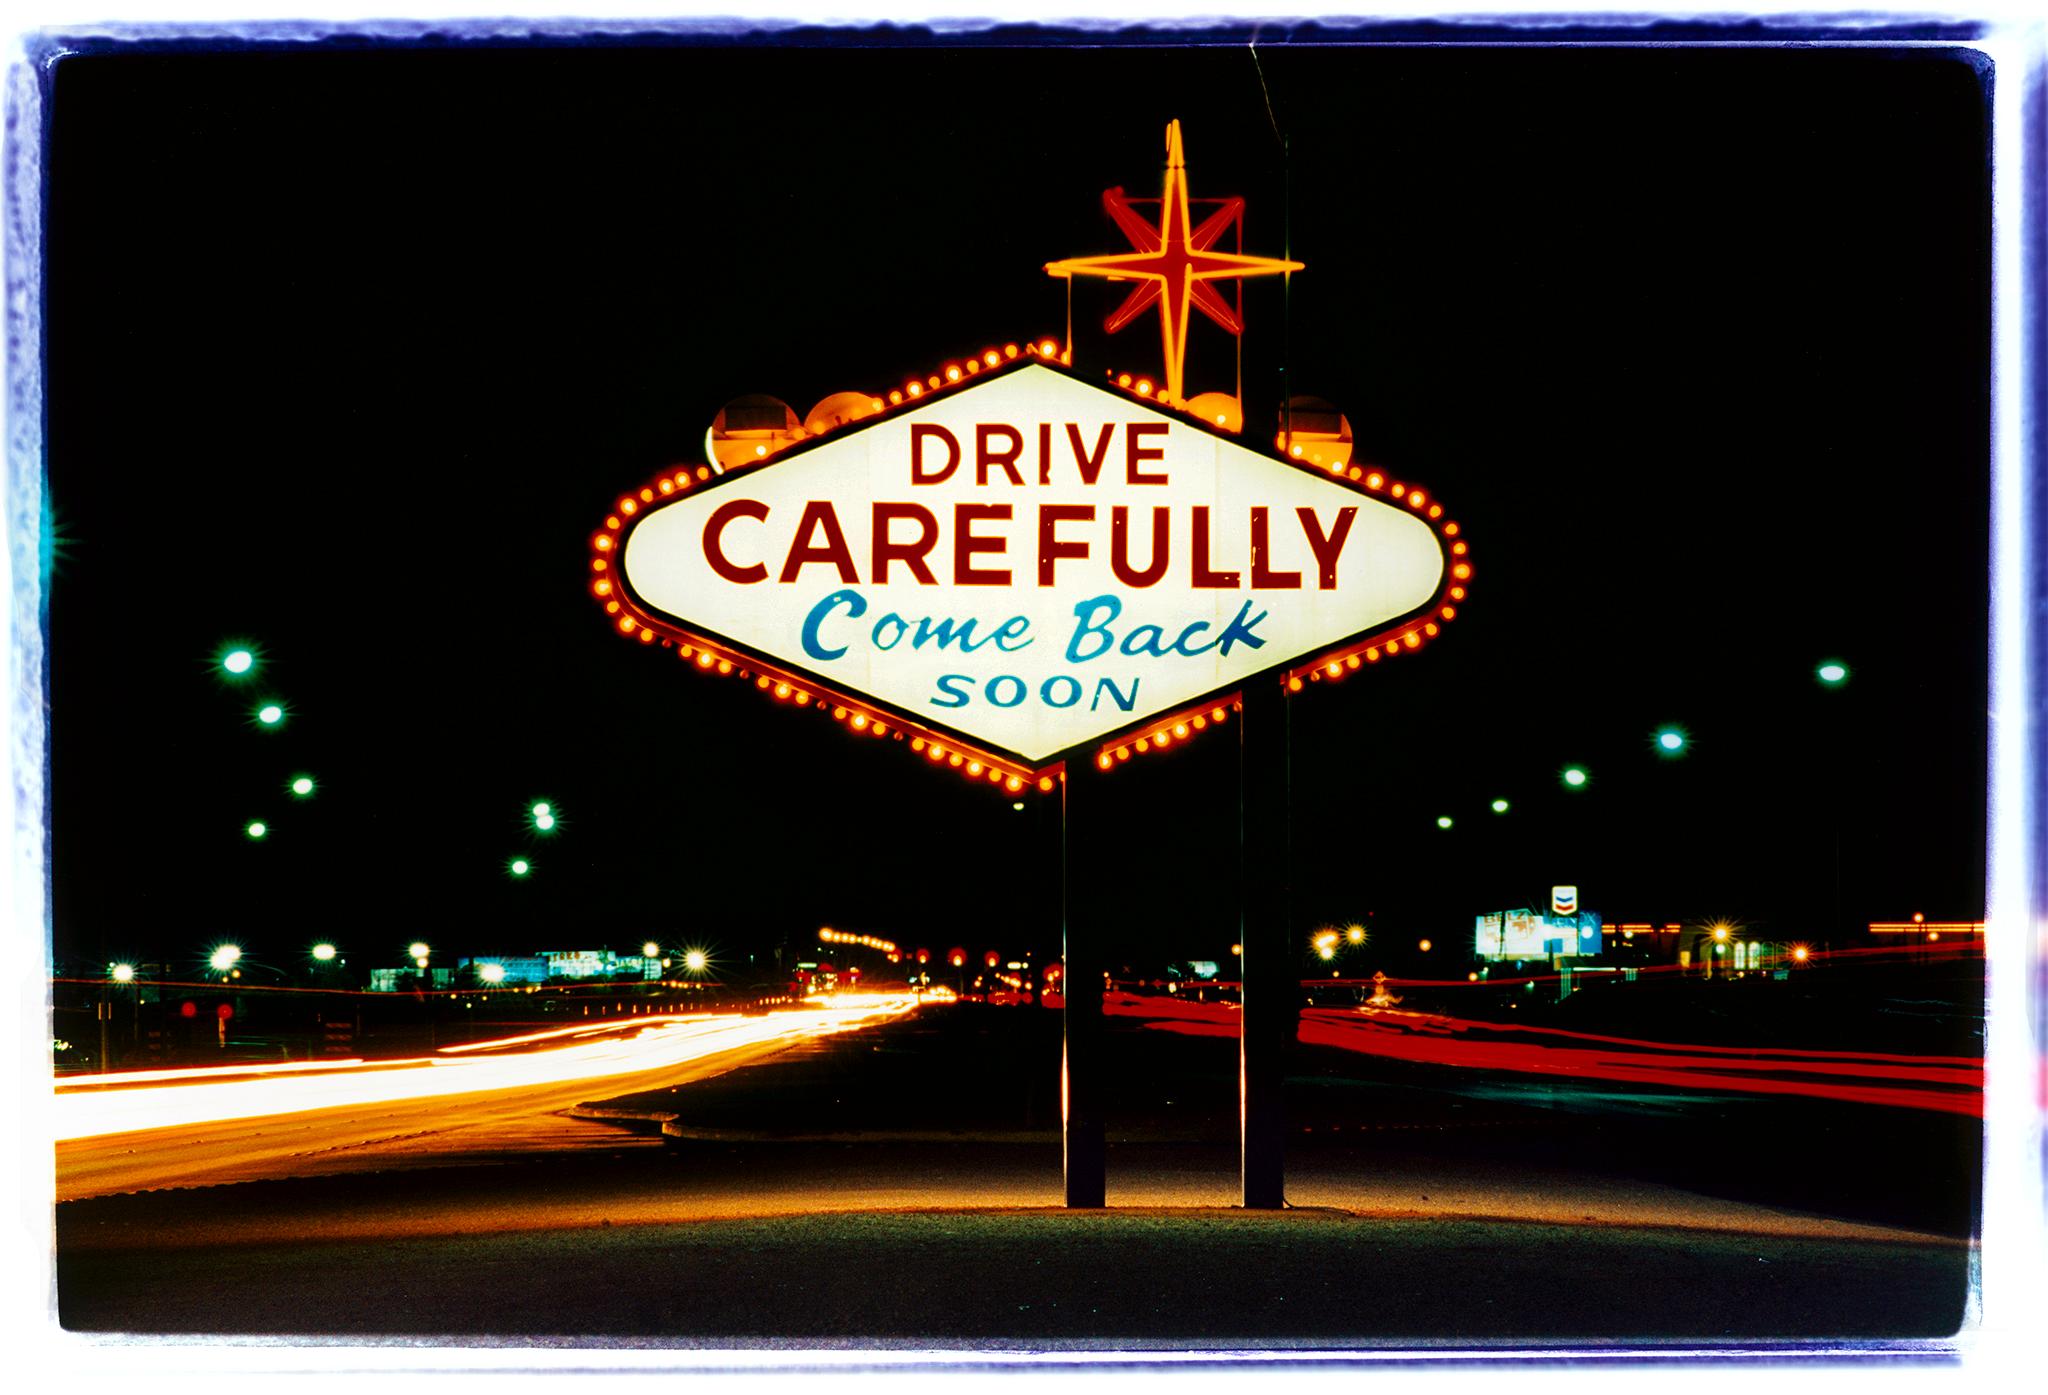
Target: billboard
[(1527, 934), (1027, 563)]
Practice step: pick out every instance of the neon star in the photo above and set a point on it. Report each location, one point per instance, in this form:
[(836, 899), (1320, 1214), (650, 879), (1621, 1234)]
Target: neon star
[(1174, 262)]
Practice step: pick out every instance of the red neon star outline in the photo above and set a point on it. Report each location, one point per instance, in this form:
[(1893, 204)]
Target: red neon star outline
[(1174, 265)]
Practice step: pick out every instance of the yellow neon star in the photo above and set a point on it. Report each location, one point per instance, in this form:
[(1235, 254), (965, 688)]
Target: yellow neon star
[(1178, 265)]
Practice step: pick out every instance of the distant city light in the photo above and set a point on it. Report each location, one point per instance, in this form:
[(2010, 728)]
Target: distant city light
[(1574, 776), (1443, 820), (123, 973), (1500, 806), (257, 828), (1472, 977), (323, 952), (418, 949), (238, 661), (1832, 672), (302, 786), (1671, 741), (270, 714), (223, 957), (1425, 946), (520, 866)]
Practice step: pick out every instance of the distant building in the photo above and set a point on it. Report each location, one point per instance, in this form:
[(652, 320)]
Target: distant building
[(599, 963), (532, 968)]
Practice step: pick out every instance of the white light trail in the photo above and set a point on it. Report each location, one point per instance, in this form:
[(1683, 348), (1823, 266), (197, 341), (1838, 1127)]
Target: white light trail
[(202, 1097)]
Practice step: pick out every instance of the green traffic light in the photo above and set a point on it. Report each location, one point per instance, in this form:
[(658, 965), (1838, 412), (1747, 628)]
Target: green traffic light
[(1671, 741), (520, 866), (1833, 673), (238, 661), (1443, 821), (1500, 806), (257, 829), (302, 786), (270, 714), (1575, 777)]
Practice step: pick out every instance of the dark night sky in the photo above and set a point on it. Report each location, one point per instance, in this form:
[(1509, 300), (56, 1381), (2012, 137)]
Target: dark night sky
[(350, 350)]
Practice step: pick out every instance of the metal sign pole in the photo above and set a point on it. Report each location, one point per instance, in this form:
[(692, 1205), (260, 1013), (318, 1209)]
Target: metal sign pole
[(1271, 990), (1083, 958)]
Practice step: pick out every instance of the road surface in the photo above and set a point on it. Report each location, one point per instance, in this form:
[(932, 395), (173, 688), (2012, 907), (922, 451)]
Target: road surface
[(203, 1128)]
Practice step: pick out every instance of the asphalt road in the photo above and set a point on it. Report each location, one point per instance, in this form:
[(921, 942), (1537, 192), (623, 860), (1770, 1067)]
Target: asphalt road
[(770, 1217)]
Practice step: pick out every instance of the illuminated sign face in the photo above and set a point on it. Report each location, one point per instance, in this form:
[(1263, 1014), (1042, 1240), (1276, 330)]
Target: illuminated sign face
[(1531, 935), (1030, 563), (1564, 900)]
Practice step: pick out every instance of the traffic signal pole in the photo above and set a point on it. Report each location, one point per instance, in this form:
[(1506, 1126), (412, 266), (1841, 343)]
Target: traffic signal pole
[(1084, 845), (1271, 984)]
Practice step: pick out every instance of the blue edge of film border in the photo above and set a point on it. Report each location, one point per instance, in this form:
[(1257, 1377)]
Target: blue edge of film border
[(29, 82)]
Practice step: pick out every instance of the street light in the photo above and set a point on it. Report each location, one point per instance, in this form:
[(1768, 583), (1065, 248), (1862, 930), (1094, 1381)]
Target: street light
[(270, 714), (1500, 806), (650, 949), (695, 960), (543, 817), (122, 973), (237, 662), (491, 973), (1443, 821), (223, 957), (520, 866), (323, 952), (302, 786), (257, 828), (418, 949), (1355, 934)]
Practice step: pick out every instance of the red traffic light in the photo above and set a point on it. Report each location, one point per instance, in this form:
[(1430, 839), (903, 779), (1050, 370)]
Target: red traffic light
[(991, 959), (957, 958), (224, 1011), (188, 1008)]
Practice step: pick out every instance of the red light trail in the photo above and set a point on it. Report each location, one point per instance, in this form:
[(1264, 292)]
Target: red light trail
[(1949, 1084)]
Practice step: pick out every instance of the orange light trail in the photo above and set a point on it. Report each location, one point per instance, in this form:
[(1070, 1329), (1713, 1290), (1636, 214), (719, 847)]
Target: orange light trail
[(86, 1107)]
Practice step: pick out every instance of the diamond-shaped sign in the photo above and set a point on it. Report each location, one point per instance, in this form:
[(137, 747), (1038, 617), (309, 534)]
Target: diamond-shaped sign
[(1026, 565)]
